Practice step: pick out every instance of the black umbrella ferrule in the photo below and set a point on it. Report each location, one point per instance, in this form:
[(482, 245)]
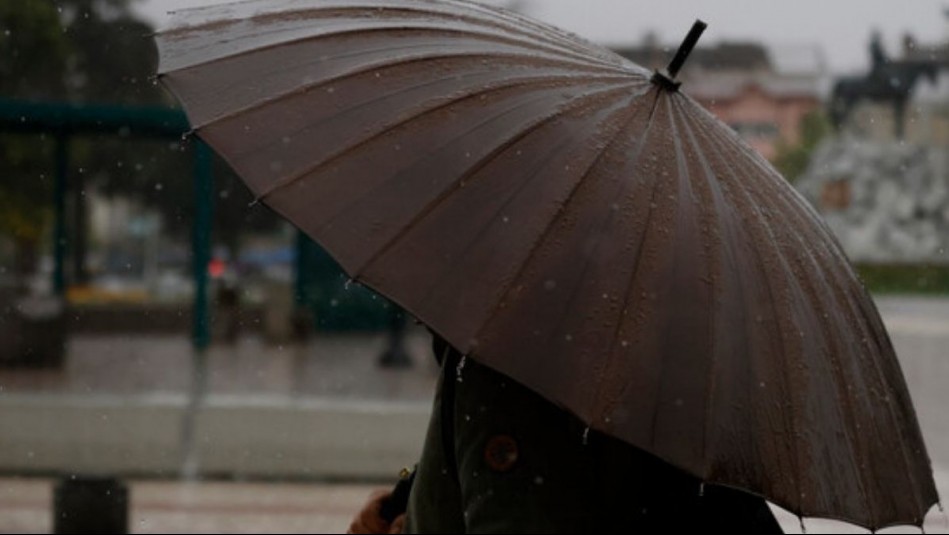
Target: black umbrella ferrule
[(667, 77)]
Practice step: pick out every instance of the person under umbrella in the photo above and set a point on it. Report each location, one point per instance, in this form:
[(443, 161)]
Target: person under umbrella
[(498, 458), (574, 223)]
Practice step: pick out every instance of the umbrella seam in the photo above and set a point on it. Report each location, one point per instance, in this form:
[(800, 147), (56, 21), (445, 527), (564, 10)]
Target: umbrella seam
[(550, 225), (856, 469), (388, 128), (765, 226), (629, 288), (870, 333), (509, 284), (551, 35), (472, 171), (450, 33), (306, 88), (720, 223)]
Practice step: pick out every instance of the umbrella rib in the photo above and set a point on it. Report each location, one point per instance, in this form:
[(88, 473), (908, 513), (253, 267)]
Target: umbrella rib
[(473, 170), (560, 210), (682, 170), (868, 319), (855, 312), (547, 37), (585, 60), (506, 20), (715, 188), (636, 266), (763, 224), (390, 127), (305, 88), (850, 442)]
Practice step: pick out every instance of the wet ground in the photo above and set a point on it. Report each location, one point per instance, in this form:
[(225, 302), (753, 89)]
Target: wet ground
[(345, 368)]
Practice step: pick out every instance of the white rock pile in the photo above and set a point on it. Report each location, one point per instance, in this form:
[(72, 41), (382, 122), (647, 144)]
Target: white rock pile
[(887, 202)]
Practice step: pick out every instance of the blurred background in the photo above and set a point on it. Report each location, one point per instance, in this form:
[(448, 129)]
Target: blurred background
[(165, 338)]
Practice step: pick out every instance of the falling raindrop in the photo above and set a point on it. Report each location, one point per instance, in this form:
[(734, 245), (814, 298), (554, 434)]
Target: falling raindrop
[(538, 480), (460, 368), (159, 186), (550, 284), (586, 436)]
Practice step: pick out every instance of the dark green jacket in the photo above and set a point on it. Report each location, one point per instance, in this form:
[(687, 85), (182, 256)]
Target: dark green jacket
[(500, 459)]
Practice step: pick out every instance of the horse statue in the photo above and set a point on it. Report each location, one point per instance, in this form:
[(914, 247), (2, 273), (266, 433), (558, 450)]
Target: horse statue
[(888, 81)]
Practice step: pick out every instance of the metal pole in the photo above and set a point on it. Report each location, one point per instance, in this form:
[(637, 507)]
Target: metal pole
[(59, 204), (301, 271), (201, 244)]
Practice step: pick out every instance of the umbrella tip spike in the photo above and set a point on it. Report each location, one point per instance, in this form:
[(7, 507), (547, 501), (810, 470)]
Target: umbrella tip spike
[(667, 78)]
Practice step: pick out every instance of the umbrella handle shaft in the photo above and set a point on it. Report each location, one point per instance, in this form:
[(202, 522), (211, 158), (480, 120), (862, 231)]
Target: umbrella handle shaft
[(686, 47)]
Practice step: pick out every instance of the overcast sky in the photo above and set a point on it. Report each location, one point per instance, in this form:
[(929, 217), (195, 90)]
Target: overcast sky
[(840, 27)]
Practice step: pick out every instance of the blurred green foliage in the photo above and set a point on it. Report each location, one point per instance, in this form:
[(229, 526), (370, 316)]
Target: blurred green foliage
[(792, 159), (905, 278), (97, 51)]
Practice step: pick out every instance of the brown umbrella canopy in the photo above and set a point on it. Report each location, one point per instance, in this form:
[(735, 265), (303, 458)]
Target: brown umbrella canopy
[(549, 210)]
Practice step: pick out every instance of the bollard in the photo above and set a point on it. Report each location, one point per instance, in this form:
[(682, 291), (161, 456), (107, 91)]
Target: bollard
[(90, 504), (395, 354)]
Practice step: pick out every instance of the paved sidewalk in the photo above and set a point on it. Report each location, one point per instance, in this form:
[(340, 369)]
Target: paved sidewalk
[(262, 399), (234, 507)]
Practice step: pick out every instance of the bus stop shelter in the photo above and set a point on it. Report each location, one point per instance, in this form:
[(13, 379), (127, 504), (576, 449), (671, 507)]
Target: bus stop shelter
[(64, 121)]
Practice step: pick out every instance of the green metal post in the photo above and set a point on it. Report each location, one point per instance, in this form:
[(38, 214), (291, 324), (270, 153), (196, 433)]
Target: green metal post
[(201, 245), (59, 206)]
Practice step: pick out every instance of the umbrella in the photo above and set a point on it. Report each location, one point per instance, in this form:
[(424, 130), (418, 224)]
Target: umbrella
[(575, 222)]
